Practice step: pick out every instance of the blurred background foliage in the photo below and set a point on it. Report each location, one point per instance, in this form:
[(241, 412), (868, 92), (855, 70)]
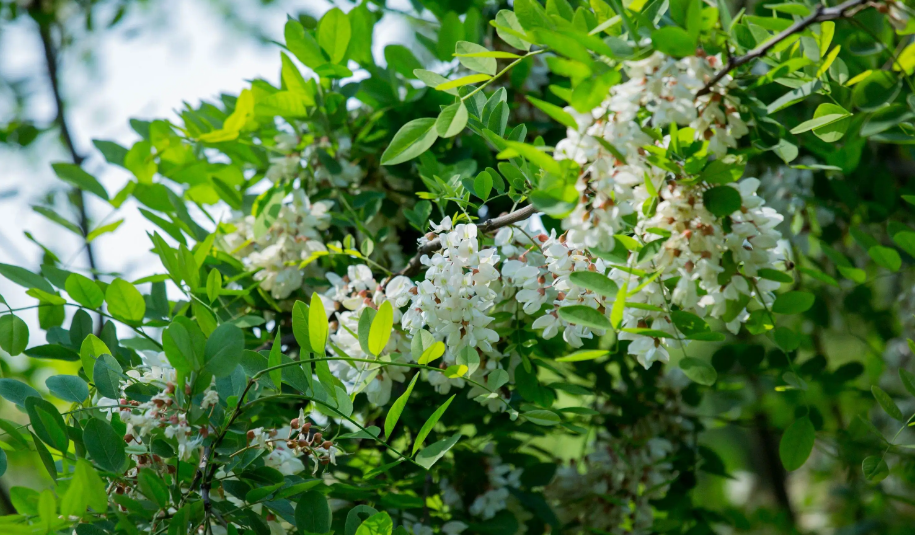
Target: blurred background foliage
[(57, 57)]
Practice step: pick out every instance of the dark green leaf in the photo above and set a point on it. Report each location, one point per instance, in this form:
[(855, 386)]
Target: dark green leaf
[(722, 200), (104, 445), (14, 334), (797, 444), (68, 388), (312, 513)]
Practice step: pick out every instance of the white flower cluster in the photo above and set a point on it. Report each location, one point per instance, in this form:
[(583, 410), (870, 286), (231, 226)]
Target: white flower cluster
[(633, 466), (349, 296), (497, 497), (143, 418), (540, 275), (277, 253), (345, 174), (286, 445), (664, 89), (461, 285), (697, 253), (288, 165), (701, 255)]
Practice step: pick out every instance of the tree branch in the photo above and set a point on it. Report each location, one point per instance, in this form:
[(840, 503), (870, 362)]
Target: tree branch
[(50, 54), (414, 265), (820, 14)]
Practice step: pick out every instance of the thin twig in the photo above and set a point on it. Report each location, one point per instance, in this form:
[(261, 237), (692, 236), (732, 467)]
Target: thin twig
[(820, 14), (414, 265)]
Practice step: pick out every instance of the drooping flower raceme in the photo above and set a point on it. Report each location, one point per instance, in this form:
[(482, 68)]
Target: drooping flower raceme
[(350, 296), (278, 250), (458, 289), (623, 191), (634, 465)]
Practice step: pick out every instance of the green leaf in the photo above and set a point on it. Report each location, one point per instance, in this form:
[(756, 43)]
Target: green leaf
[(84, 291), (25, 278), (275, 359), (402, 60), (300, 325), (52, 352), (774, 275), (214, 284), (432, 352), (14, 334), (77, 177), (908, 380), (125, 302), (68, 388), (153, 487), (433, 80), (585, 316), (482, 185), (382, 327), (906, 241), (483, 65), (104, 229), (674, 41), (878, 89), (791, 9), (140, 162), (555, 112), (106, 375), (719, 172), (429, 455), (430, 423), (46, 459), (334, 34), (397, 409), (887, 403), (793, 302), (875, 469), (17, 392), (510, 30), (413, 139), (223, 350), (104, 445), (57, 218), (47, 423), (377, 524), (533, 154), (886, 257), (184, 345), (452, 120), (722, 201), (317, 325), (825, 114), (698, 371), (542, 417), (303, 45), (112, 152), (449, 85), (833, 130), (596, 282), (797, 444), (3, 462), (584, 354), (312, 513)]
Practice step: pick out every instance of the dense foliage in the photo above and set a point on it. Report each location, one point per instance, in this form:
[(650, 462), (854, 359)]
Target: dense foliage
[(569, 259)]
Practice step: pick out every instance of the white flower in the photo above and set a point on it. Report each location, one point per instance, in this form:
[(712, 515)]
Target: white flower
[(210, 398), (294, 236)]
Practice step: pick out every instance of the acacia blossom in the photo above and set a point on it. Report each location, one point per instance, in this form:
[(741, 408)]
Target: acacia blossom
[(277, 251)]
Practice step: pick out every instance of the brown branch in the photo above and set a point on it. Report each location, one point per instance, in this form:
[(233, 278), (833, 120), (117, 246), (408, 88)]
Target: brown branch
[(414, 265), (820, 14)]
